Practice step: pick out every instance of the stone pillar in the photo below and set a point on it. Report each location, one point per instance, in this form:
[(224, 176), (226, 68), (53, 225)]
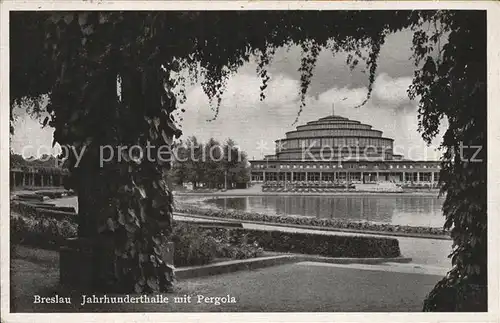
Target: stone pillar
[(264, 176), (376, 177), (307, 177), (432, 177), (320, 176), (291, 178), (404, 176), (418, 176)]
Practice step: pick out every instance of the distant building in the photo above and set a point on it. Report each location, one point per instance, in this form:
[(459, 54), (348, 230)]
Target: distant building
[(30, 174), (337, 149)]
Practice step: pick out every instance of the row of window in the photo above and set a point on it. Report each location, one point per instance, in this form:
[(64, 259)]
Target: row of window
[(334, 122), (334, 142), (355, 176), (326, 155), (328, 166), (410, 166), (334, 126), (334, 133)]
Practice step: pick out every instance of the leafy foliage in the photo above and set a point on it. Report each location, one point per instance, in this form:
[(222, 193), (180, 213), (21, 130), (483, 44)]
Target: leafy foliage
[(77, 58), (453, 86), (193, 245), (212, 164), (313, 243), (45, 164)]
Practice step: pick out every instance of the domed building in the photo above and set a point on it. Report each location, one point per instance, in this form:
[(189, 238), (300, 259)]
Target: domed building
[(337, 149)]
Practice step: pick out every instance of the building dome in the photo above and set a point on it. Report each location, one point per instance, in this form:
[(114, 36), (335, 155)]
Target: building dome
[(335, 138)]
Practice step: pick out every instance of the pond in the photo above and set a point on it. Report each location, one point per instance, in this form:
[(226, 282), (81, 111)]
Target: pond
[(391, 209)]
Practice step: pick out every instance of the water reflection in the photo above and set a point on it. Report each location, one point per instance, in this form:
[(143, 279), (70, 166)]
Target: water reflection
[(400, 210)]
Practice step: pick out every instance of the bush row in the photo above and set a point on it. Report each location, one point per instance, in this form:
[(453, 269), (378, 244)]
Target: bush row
[(310, 221), (42, 210), (42, 232), (197, 246), (315, 244), (193, 245)]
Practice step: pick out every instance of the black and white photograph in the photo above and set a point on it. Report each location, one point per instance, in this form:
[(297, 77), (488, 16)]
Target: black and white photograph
[(253, 157)]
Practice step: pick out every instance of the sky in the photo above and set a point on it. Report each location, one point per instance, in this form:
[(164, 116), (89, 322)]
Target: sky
[(255, 124)]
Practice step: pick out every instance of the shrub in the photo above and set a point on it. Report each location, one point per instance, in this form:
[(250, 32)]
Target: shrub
[(47, 228), (199, 246), (235, 246), (41, 232), (192, 246)]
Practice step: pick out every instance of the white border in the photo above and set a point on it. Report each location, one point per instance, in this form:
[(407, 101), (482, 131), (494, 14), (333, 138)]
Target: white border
[(493, 17)]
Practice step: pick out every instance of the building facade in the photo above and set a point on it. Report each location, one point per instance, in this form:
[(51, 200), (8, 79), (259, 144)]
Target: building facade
[(36, 176), (337, 149), (34, 173)]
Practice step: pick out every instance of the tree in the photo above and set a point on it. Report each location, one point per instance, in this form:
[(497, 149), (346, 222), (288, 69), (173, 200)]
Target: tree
[(235, 165), (195, 162), (214, 158), (77, 58)]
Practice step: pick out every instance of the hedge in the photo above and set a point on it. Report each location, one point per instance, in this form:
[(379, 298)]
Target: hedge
[(315, 244), (310, 221), (195, 245), (49, 229), (41, 210), (47, 233)]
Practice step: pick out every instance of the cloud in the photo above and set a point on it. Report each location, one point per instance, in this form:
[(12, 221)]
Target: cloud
[(390, 90), (248, 120), (394, 60)]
